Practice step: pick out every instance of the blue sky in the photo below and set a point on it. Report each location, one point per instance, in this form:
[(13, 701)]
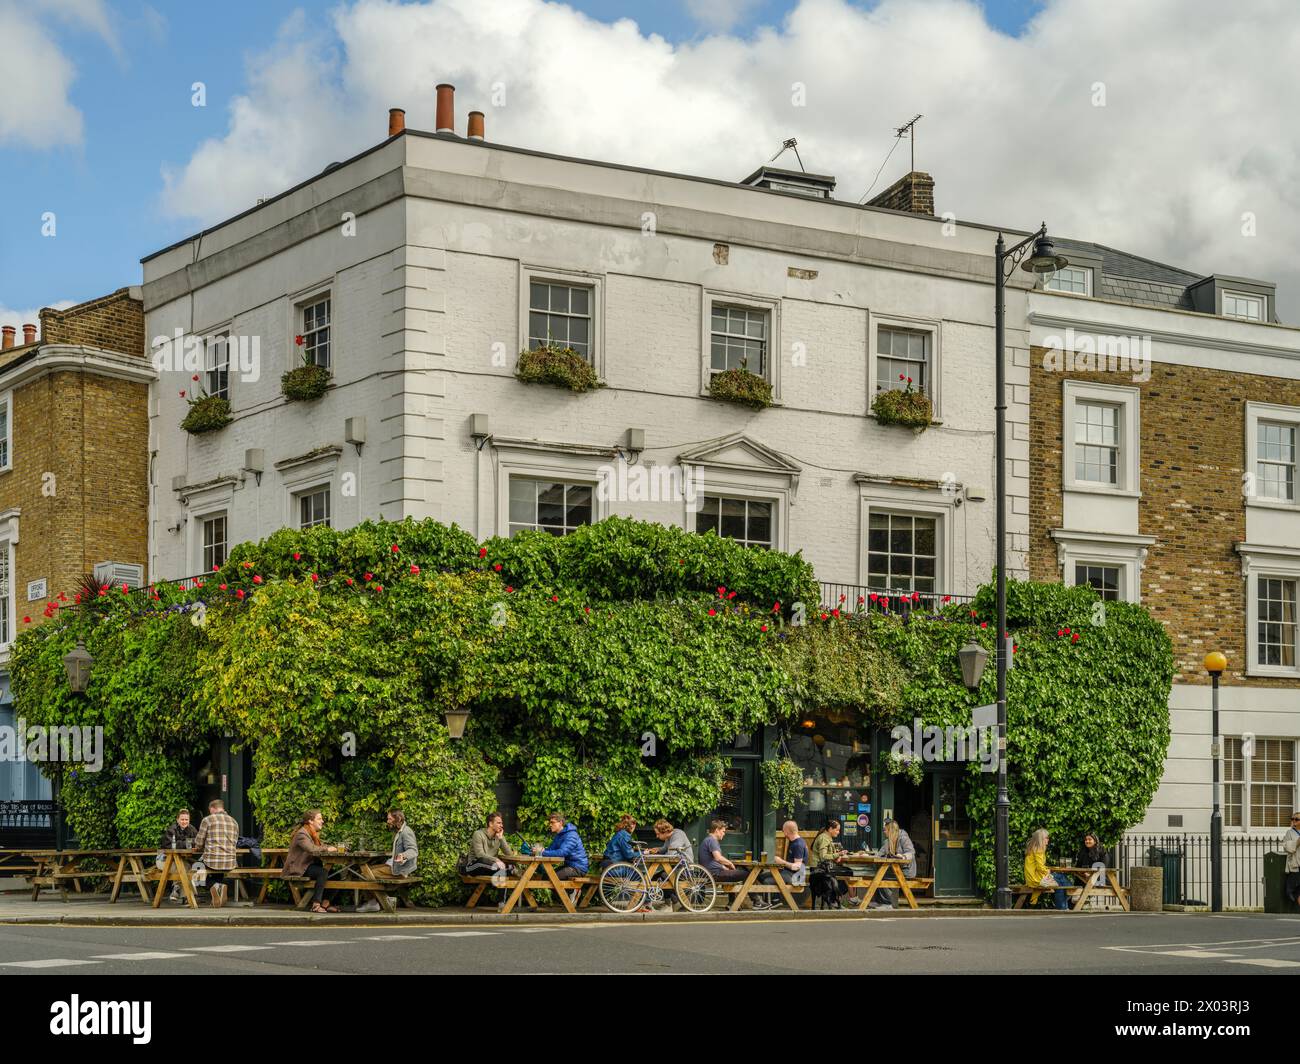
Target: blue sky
[(97, 125)]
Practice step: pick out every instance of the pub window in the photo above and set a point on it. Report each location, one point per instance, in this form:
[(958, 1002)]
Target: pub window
[(836, 765)]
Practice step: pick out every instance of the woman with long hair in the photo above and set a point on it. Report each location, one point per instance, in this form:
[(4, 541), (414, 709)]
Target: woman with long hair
[(897, 843), (303, 858), (1036, 873)]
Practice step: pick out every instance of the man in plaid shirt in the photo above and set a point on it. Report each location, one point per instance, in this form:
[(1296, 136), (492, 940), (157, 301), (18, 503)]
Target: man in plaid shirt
[(218, 837)]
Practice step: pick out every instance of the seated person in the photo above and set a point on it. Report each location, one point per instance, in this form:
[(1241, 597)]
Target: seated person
[(1036, 873), (672, 841), (793, 867), (566, 843), (721, 868), (1092, 854), (896, 843), (621, 847)]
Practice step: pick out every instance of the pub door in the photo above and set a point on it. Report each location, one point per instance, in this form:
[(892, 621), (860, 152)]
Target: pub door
[(738, 806), (954, 872)]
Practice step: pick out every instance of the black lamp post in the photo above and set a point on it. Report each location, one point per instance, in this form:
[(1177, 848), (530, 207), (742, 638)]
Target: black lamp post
[(1044, 260), (1215, 663)]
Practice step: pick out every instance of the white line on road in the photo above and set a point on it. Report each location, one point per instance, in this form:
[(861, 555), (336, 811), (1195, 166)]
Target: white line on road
[(311, 942), (390, 938), (138, 956), (54, 963), (459, 934), (222, 949), (1198, 954), (1268, 962)]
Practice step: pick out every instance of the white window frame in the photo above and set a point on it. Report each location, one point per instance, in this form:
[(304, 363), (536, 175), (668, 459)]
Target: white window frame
[(1252, 297), (575, 465), (299, 302), (908, 324), (1087, 281), (7, 439), (298, 494), (1127, 400), (775, 351), (1278, 563), (200, 520), (910, 503), (9, 601), (1246, 827), (210, 366), (576, 279), (1286, 415), (1127, 553), (746, 497)]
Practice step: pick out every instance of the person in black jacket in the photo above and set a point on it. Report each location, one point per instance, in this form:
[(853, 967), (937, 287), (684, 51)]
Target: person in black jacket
[(179, 835), (1092, 854)]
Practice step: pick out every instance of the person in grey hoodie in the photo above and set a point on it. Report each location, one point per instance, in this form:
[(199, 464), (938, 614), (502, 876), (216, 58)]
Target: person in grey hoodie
[(402, 863)]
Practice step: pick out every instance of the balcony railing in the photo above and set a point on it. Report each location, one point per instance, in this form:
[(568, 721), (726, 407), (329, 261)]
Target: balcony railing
[(1185, 858), (853, 598)]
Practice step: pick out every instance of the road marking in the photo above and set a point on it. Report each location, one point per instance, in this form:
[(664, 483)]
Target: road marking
[(390, 938), (459, 934), (528, 930), (222, 949), (311, 942), (1235, 943), (54, 963), (1266, 962), (138, 956), (1199, 954)]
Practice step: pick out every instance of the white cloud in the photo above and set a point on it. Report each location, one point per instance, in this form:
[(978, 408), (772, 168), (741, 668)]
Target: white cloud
[(1195, 131), (719, 15), (35, 109)]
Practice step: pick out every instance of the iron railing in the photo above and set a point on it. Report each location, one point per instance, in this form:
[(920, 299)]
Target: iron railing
[(854, 598), (1186, 860)]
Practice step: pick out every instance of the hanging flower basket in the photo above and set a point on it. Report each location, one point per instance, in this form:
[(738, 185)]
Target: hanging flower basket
[(305, 384), (741, 387), (207, 413), (561, 366), (903, 406)]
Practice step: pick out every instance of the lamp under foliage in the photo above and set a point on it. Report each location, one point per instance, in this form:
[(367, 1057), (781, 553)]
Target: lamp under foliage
[(456, 719), (76, 663), (972, 657)]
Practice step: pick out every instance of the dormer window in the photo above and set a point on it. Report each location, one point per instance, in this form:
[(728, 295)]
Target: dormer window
[(1074, 279), (1245, 307)]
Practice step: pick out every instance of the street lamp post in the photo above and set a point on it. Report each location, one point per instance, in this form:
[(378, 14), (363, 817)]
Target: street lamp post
[(1043, 260), (1215, 663)]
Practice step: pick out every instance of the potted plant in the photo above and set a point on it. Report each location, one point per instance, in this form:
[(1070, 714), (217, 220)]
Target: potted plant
[(207, 413), (783, 782), (903, 406), (561, 366), (742, 387), (306, 383)]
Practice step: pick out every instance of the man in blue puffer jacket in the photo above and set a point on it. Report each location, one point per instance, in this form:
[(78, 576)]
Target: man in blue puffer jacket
[(565, 843)]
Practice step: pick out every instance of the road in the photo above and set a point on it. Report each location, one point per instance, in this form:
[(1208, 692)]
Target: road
[(1155, 944)]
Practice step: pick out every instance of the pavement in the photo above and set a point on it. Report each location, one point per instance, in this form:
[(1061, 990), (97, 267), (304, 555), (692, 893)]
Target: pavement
[(88, 935)]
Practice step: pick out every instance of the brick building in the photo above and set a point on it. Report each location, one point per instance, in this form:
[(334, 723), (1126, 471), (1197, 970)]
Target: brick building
[(1164, 413), (74, 469)]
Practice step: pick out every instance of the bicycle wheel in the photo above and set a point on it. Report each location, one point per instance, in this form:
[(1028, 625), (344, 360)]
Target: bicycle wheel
[(696, 889), (623, 888)]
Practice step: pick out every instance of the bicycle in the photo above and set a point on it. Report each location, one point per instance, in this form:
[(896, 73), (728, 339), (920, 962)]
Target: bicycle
[(628, 886)]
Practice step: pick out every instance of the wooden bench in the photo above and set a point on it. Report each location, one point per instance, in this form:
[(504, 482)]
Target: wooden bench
[(1023, 893), (380, 888)]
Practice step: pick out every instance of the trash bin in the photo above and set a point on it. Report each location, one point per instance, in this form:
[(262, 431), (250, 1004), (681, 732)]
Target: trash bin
[(1275, 899), (1170, 861)]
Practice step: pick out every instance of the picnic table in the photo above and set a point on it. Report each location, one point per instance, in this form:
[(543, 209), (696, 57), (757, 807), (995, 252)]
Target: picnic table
[(1091, 885), (354, 870), (883, 867), (750, 885), (536, 873), (59, 868)]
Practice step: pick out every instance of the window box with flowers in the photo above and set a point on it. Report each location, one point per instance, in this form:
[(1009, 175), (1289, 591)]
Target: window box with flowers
[(308, 382), (562, 367), (903, 406), (207, 413), (742, 387)]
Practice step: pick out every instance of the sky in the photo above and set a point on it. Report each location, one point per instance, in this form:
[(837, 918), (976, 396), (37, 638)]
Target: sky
[(1162, 127)]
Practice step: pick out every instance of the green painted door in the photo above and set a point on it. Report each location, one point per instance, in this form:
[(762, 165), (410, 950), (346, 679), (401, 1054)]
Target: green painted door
[(738, 806), (954, 872)]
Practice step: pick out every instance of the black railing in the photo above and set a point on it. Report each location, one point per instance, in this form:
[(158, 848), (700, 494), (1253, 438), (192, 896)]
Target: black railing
[(853, 598), (1185, 858)]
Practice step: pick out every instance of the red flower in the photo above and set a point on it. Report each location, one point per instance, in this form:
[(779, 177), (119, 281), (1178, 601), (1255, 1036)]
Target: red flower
[(776, 606), (1015, 647), (916, 596), (712, 612), (909, 380), (509, 590), (1074, 638), (78, 597), (482, 552), (555, 598), (195, 377), (297, 557), (314, 578), (415, 570), (1067, 631), (198, 583), (835, 613), (223, 586), (298, 340), (350, 581), (763, 628), (182, 393), (27, 620), (947, 599), (586, 609), (103, 591), (721, 591), (239, 594), (823, 616), (497, 567), (841, 598), (973, 613), (984, 624), (860, 600), (257, 579), (1060, 632), (125, 589), (874, 596), (902, 376), (370, 576), (247, 565), (216, 568), (393, 548), (731, 595), (681, 561), (379, 587), (63, 596)]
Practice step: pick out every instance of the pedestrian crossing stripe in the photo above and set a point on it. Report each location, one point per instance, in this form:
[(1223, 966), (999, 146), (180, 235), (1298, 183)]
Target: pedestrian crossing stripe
[(54, 962), (138, 956)]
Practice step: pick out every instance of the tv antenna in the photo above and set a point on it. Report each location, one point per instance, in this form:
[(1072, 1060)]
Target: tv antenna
[(908, 129), (793, 145)]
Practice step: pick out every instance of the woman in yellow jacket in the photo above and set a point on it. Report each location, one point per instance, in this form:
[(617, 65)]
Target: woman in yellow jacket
[(1036, 873)]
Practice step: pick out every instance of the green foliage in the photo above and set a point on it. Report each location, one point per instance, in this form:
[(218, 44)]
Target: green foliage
[(841, 667), (90, 807), (903, 406), (560, 366), (207, 413), (741, 387), (155, 788), (783, 782), (304, 383)]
